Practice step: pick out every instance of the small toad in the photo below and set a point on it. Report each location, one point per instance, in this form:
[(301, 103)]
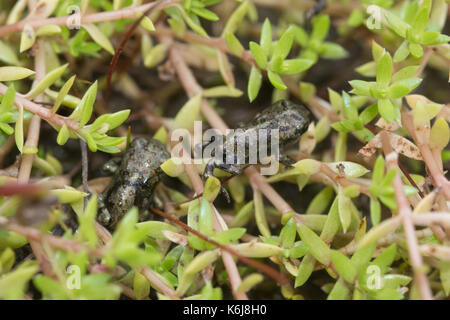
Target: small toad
[(136, 176)]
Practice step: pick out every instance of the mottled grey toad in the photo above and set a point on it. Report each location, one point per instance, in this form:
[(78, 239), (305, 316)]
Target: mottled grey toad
[(291, 120), (134, 181)]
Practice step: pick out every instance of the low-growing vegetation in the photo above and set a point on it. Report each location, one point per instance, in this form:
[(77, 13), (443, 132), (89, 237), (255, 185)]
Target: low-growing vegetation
[(362, 214)]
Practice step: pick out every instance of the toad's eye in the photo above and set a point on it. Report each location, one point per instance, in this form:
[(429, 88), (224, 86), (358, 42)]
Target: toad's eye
[(284, 103)]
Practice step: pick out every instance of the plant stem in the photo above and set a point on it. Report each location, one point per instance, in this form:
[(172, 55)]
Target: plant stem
[(439, 179), (42, 112), (406, 215), (129, 12)]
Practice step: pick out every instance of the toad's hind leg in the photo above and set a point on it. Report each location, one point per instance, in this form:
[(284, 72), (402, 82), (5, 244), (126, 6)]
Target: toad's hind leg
[(104, 216)]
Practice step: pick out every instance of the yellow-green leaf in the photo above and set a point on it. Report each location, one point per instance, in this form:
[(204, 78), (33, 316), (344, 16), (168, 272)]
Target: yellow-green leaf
[(14, 73), (99, 37)]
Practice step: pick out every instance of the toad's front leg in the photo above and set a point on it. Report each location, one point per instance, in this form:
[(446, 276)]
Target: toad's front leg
[(104, 216)]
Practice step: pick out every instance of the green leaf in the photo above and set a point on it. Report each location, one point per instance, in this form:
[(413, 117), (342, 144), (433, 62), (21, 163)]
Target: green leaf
[(266, 37), (141, 286), (340, 291), (243, 215), (46, 82), (62, 93), (288, 233), (445, 275), (439, 134), (368, 69), (86, 229), (320, 26), (307, 92), (188, 113), (276, 80), (200, 262), (305, 270), (260, 214), (194, 24), (421, 20), (234, 44), (229, 236), (63, 135), (7, 258), (27, 38), (378, 171), (386, 258), (298, 250), (356, 18), (300, 36), (345, 210), (329, 50), (379, 231), (156, 55), (254, 83), (284, 45), (430, 38), (375, 211), (402, 87), (377, 51), (332, 222), (360, 87), (83, 111), (402, 52), (249, 282), (8, 100), (14, 284), (14, 73), (68, 195), (362, 256), (316, 246), (369, 113), (7, 55), (384, 70), (321, 201), (259, 54), (351, 169), (343, 266), (147, 24), (349, 107), (416, 50), (211, 189), (172, 257), (205, 13), (294, 66), (397, 24), (48, 30), (154, 229), (192, 221), (205, 224), (222, 91), (99, 37), (236, 17), (257, 249), (404, 73), (388, 294), (386, 109)]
